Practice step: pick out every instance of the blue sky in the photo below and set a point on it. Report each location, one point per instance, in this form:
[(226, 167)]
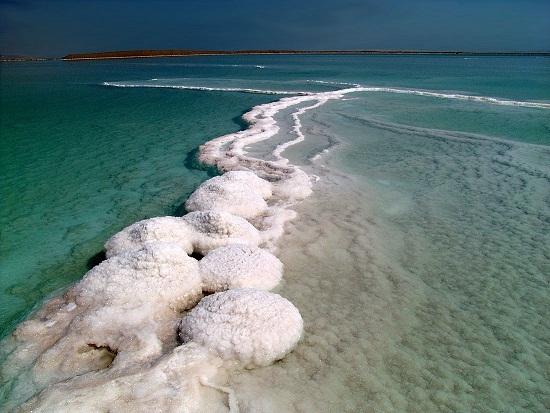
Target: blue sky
[(53, 28)]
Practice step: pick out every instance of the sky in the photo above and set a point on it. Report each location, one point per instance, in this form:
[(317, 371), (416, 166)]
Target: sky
[(54, 28)]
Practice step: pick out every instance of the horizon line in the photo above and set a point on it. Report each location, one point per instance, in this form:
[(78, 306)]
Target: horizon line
[(150, 53)]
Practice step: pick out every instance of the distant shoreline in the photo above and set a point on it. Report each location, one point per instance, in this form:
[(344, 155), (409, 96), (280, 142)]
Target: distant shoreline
[(131, 54), (135, 54)]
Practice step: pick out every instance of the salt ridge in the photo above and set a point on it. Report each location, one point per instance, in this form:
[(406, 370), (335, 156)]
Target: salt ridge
[(354, 88), (211, 89)]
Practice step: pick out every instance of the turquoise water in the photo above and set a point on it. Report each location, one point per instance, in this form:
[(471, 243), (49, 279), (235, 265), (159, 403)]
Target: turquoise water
[(80, 161), (420, 262)]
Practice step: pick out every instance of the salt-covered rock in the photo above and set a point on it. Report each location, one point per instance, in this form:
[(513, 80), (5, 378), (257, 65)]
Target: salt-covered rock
[(247, 325), (135, 236), (240, 265), (213, 229)]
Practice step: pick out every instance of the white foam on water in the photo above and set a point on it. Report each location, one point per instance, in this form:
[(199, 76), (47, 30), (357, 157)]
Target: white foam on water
[(351, 87), (206, 88), (485, 99)]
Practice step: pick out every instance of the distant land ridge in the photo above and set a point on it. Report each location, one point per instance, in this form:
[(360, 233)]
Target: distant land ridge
[(135, 54), (129, 54)]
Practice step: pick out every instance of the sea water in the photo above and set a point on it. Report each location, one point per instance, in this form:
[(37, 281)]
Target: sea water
[(420, 261), (80, 161)]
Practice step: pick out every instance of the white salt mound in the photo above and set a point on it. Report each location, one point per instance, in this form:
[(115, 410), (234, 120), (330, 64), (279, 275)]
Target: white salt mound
[(241, 193), (165, 229), (247, 178), (200, 231), (232, 197), (240, 265), (126, 307), (251, 326), (214, 229), (159, 274)]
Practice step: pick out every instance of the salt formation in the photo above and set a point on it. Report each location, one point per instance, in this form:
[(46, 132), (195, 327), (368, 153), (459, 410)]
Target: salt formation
[(113, 334), (198, 232), (252, 326), (166, 229), (213, 229), (240, 265), (173, 383), (241, 193), (122, 312), (110, 343)]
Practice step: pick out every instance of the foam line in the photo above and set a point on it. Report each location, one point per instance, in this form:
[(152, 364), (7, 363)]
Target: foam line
[(458, 96), (205, 88), (353, 88)]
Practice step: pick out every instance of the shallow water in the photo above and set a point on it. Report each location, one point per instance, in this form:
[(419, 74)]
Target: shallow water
[(430, 266), (420, 262), (81, 161)]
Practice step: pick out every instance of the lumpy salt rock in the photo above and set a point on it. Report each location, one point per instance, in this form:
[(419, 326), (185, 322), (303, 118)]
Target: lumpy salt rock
[(240, 265), (253, 327)]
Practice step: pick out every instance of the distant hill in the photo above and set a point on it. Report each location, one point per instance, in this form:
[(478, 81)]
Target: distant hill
[(16, 58), (129, 54)]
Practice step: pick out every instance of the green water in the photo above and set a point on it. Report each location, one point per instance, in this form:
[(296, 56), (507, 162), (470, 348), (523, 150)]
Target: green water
[(80, 161)]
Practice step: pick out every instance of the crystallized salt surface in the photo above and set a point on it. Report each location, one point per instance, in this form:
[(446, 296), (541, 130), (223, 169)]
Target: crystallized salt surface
[(200, 231), (240, 193), (178, 382), (166, 229), (235, 198), (214, 229), (251, 326), (126, 308), (247, 178), (240, 265), (159, 274)]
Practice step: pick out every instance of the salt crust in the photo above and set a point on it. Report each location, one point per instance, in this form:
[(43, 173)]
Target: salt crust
[(212, 229), (125, 307), (247, 178), (166, 229), (252, 326), (171, 384), (240, 265), (199, 232), (241, 193), (235, 198)]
